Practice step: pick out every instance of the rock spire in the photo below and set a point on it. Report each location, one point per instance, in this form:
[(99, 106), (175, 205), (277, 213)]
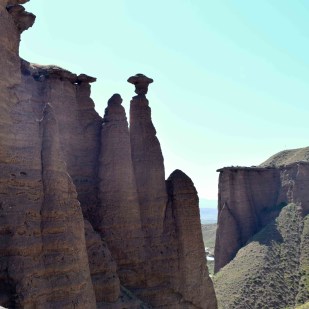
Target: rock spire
[(119, 212), (147, 159)]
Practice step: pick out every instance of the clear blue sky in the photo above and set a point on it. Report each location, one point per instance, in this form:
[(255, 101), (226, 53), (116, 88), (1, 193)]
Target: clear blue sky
[(231, 77)]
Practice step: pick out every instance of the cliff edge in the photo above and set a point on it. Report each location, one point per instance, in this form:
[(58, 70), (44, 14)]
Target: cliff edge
[(261, 256)]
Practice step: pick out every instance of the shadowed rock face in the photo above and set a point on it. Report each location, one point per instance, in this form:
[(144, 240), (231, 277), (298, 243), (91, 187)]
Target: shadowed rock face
[(193, 281), (64, 251), (269, 272), (119, 211), (84, 211)]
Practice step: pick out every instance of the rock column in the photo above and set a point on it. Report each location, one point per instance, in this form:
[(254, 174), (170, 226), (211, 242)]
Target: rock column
[(119, 213), (63, 238), (192, 281), (147, 159)]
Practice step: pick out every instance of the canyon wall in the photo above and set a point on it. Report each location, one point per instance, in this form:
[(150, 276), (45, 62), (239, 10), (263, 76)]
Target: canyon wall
[(87, 218), (249, 198), (262, 233)]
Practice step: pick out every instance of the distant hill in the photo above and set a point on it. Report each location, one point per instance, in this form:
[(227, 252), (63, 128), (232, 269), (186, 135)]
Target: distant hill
[(208, 211), (208, 215), (205, 203), (287, 157)]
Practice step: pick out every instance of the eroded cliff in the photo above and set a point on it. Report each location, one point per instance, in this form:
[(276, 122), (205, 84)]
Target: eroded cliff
[(260, 256), (86, 219)]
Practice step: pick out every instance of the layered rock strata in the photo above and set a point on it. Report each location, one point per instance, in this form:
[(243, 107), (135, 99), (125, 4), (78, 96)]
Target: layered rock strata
[(147, 159), (192, 281), (79, 124), (119, 211), (260, 240), (64, 254), (249, 198), (83, 202)]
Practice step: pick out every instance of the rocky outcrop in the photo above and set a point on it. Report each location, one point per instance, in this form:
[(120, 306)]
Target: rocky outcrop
[(22, 18), (260, 240), (85, 217), (250, 198)]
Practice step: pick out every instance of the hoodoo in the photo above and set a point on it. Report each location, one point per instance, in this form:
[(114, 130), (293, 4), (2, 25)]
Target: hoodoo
[(87, 219)]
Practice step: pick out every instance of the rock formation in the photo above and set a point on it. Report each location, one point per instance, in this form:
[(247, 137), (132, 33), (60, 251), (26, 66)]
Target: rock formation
[(147, 159), (262, 233), (249, 198), (119, 211), (86, 220), (192, 280)]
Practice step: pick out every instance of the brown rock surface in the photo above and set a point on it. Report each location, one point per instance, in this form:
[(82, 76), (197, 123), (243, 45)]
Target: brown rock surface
[(119, 211), (64, 254), (78, 122), (22, 19), (254, 197), (193, 281), (147, 159), (102, 266), (56, 187)]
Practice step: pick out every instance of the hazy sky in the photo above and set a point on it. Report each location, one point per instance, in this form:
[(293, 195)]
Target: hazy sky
[(231, 78)]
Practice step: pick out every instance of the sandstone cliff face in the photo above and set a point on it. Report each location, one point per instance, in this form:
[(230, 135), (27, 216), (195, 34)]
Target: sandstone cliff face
[(79, 124), (64, 253), (249, 198), (260, 241), (84, 209)]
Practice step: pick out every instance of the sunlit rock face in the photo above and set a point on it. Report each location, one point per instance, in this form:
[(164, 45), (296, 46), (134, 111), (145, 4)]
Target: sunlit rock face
[(249, 198), (87, 218)]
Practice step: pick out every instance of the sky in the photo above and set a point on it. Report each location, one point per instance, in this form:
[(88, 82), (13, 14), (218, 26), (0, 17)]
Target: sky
[(231, 77)]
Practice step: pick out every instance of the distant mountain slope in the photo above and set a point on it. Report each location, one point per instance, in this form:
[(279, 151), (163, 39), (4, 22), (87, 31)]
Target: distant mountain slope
[(208, 215), (272, 270), (208, 211), (209, 235), (287, 157)]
